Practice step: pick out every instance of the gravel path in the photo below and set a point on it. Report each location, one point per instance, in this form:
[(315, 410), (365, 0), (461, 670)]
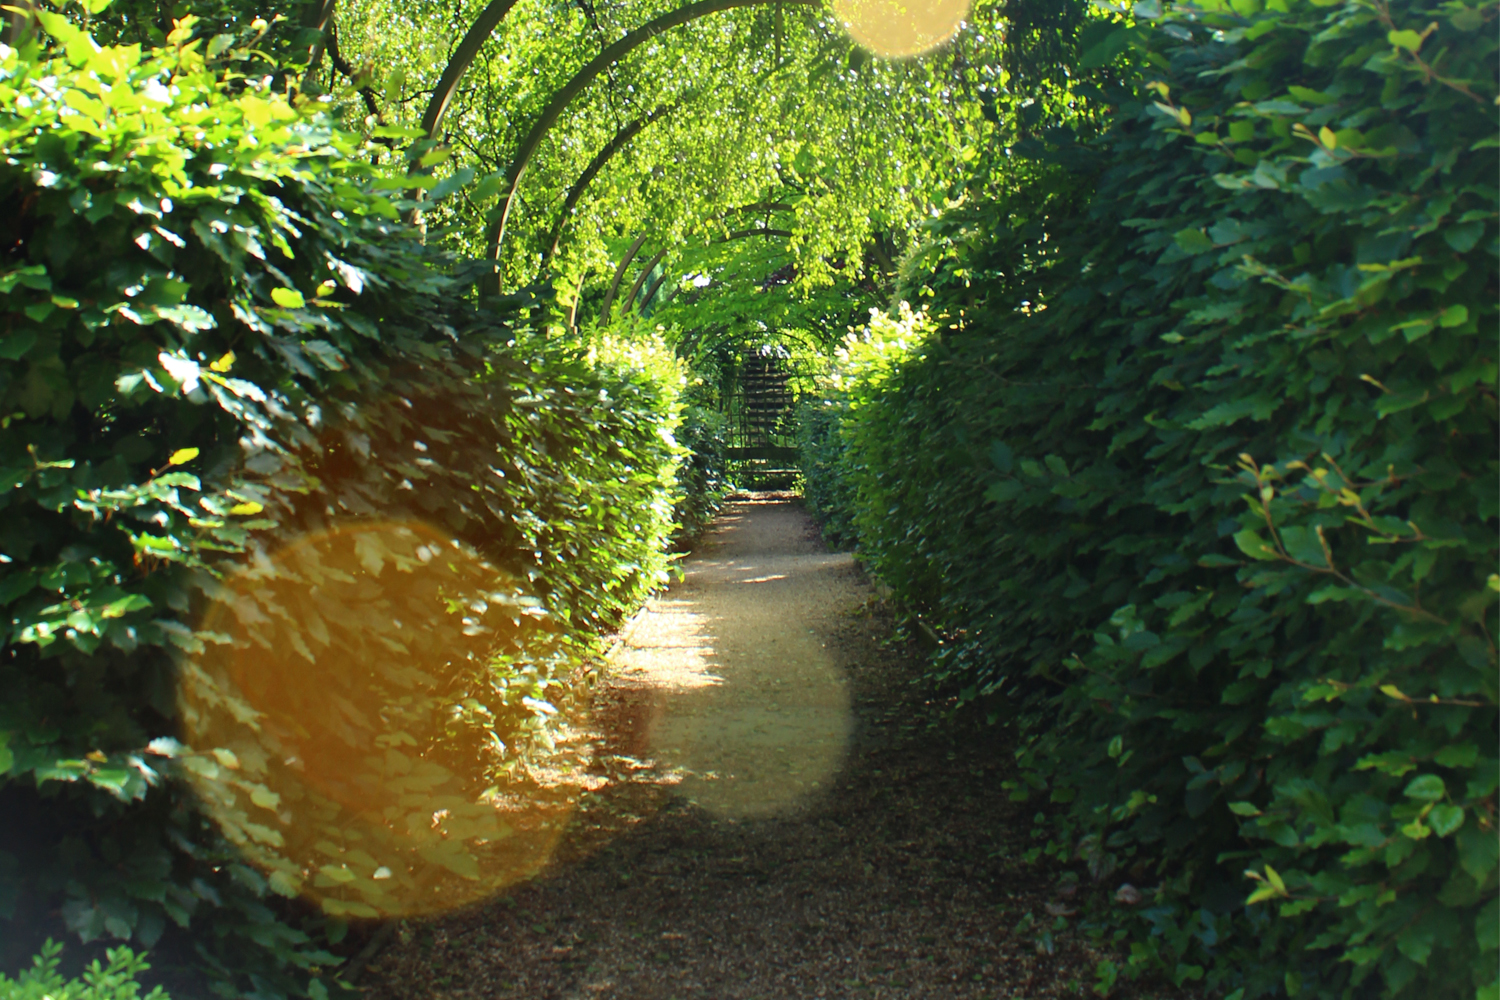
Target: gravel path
[(761, 806)]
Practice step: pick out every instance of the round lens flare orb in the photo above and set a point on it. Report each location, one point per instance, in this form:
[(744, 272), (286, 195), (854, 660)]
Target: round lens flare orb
[(896, 29), (347, 721)]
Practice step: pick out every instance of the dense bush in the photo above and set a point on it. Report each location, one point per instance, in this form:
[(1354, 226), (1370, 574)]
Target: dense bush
[(290, 530), (1199, 476)]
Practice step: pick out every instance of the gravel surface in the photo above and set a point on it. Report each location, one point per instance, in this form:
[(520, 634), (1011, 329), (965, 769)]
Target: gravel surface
[(760, 805)]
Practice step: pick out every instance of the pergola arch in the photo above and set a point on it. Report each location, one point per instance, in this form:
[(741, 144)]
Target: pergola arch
[(458, 64), (576, 192), (634, 248), (495, 237), (614, 283)]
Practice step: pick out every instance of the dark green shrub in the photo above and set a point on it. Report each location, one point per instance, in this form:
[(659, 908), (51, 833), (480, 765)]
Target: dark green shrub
[(253, 433), (1220, 516)]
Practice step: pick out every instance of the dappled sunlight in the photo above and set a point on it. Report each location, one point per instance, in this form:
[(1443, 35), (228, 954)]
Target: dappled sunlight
[(682, 661)]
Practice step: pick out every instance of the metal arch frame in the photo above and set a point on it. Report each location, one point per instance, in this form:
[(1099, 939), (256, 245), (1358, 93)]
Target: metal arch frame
[(458, 64), (614, 285), (635, 289), (495, 238), (576, 192), (320, 13)]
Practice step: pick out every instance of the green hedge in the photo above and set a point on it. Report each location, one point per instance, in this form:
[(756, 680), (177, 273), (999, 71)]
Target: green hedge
[(704, 476), (250, 423), (1201, 487)]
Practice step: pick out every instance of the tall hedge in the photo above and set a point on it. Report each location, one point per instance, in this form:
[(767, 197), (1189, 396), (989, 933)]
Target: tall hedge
[(260, 451), (1198, 475)]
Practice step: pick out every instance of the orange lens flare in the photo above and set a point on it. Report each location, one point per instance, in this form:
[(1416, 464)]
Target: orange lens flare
[(369, 684)]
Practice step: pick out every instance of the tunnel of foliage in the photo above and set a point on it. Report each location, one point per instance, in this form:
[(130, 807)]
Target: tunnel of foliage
[(1190, 458), (362, 362)]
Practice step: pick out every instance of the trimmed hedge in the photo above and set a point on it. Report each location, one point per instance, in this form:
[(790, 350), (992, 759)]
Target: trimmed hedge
[(280, 503), (1199, 479)]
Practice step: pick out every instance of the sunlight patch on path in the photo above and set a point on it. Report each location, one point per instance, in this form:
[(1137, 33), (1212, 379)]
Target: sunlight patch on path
[(747, 705)]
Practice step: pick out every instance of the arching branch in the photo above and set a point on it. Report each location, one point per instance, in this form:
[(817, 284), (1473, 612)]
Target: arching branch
[(614, 284), (651, 292), (575, 193), (635, 289), (343, 66), (484, 25), (564, 96)]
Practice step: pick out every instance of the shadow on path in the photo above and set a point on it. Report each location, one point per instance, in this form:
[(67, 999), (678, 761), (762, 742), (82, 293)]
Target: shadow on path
[(770, 811)]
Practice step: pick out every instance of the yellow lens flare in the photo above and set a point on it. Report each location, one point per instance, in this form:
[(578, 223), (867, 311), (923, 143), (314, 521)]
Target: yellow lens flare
[(350, 726), (895, 29)]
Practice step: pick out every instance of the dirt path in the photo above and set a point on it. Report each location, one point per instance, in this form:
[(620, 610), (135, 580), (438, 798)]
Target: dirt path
[(767, 810)]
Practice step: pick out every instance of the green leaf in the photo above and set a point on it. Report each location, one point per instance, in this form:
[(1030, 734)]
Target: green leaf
[(1426, 787), (15, 344), (1193, 241), (1309, 96), (288, 298), (1444, 819), (1303, 545), (1003, 491), (1463, 237), (1478, 851), (450, 184), (1487, 926), (285, 884), (1409, 40), (226, 758), (489, 187), (1253, 545), (1457, 755), (1454, 315), (337, 874), (264, 797)]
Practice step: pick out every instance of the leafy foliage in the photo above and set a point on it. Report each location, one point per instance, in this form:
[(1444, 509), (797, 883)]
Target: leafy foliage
[(114, 980), (266, 468), (1197, 474)]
